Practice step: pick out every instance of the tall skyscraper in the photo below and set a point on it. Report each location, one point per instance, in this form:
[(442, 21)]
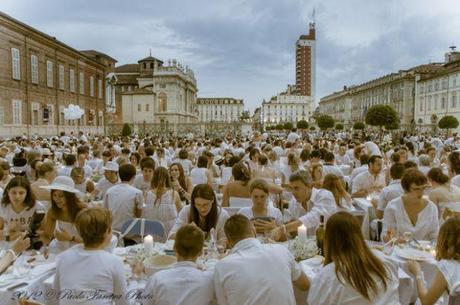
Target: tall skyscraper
[(306, 63)]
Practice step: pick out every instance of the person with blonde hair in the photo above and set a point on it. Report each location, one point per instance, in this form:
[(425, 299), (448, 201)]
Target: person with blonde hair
[(352, 273), (447, 276), (88, 267)]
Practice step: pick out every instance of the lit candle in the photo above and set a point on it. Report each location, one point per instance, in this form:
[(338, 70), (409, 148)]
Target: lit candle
[(148, 244), (433, 252), (302, 232)]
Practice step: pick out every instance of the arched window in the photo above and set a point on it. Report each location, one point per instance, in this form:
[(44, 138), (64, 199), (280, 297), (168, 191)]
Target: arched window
[(162, 99)]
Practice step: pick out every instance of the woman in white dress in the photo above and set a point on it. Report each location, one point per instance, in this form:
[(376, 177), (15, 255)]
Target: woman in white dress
[(447, 278), (162, 202), (411, 213), (18, 207), (335, 185), (180, 183), (59, 224), (201, 174), (352, 273), (265, 217), (204, 212)]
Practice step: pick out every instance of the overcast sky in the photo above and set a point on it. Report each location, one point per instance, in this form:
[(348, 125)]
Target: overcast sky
[(246, 49)]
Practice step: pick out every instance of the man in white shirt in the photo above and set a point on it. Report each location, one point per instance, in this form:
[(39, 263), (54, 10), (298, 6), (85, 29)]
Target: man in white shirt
[(329, 167), (341, 158), (109, 180), (82, 156), (143, 181), (392, 191), (372, 180), (123, 200), (255, 273), (307, 206), (184, 283)]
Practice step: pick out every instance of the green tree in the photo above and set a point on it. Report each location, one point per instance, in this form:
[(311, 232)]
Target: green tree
[(382, 115), (312, 128), (325, 121), (245, 115), (288, 125), (448, 122), (339, 126), (302, 124), (279, 127), (358, 126), (126, 131)]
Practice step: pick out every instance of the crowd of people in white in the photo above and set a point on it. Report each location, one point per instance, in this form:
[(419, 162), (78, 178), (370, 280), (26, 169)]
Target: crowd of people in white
[(265, 185)]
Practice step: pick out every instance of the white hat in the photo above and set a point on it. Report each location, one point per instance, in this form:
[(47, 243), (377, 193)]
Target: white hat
[(111, 166), (62, 183)]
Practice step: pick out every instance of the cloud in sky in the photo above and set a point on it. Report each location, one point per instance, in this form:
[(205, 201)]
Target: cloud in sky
[(246, 48)]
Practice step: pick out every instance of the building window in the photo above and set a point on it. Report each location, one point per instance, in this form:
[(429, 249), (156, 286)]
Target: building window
[(17, 112), (72, 80), (454, 100), (82, 83), (162, 102), (34, 69), (146, 107), (61, 77), (35, 108), (16, 63), (139, 107), (428, 107), (443, 102), (91, 86), (99, 88), (49, 73), (421, 104)]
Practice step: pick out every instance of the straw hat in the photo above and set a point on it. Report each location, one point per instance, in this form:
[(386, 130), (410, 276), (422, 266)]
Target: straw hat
[(62, 183)]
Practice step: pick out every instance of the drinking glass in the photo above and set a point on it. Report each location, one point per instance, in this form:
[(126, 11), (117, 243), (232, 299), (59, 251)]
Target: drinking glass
[(407, 236)]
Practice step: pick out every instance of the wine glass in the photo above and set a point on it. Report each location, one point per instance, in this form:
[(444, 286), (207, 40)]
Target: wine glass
[(407, 236)]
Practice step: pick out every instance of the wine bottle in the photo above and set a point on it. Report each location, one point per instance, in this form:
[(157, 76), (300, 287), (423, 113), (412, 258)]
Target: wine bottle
[(320, 235)]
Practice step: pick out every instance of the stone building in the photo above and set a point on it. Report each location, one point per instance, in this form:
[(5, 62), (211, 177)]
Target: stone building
[(40, 76), (152, 92), (219, 109)]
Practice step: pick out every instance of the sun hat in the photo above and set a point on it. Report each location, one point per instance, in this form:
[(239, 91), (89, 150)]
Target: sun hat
[(111, 166), (62, 183)]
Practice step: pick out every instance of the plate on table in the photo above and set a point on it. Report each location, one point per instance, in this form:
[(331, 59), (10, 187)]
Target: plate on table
[(413, 254)]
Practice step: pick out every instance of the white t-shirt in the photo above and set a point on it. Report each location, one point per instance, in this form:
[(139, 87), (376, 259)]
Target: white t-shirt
[(23, 218), (255, 274), (183, 284), (121, 199), (90, 270), (271, 212)]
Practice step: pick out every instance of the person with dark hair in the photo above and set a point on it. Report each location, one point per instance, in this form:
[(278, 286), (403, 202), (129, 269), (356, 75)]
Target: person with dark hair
[(454, 167), (201, 174), (410, 213), (372, 180), (123, 200), (18, 207), (59, 221), (444, 194), (204, 212), (181, 183), (342, 158), (46, 174), (392, 191), (410, 164), (307, 206), (184, 161), (251, 266), (88, 266), (143, 181), (352, 273), (69, 160), (195, 286), (447, 274), (329, 166)]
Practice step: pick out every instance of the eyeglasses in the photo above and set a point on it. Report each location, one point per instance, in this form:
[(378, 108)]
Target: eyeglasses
[(419, 188)]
